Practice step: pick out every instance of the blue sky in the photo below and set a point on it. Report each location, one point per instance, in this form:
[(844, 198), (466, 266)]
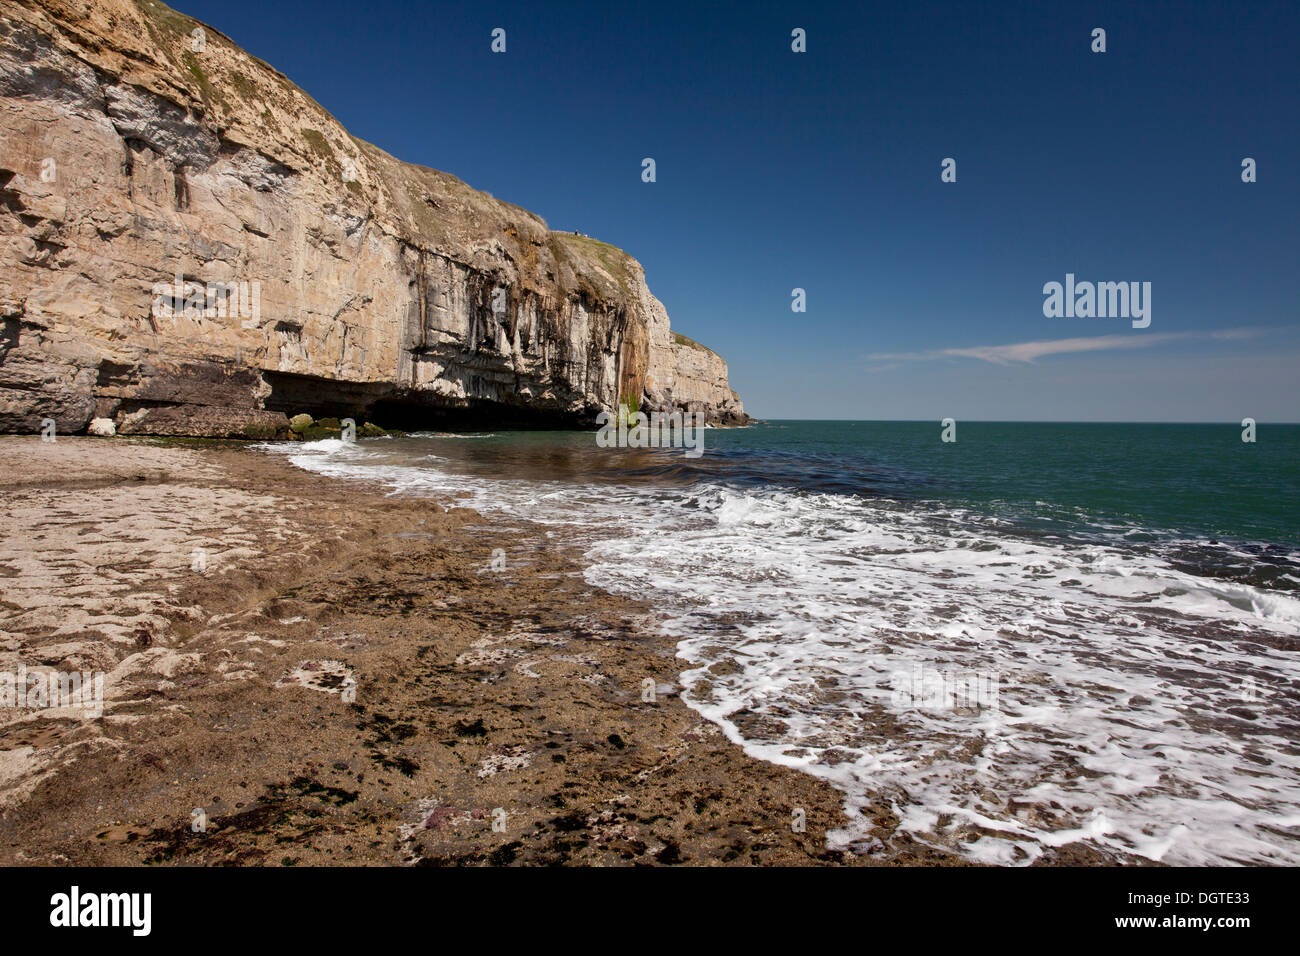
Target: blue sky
[(821, 171)]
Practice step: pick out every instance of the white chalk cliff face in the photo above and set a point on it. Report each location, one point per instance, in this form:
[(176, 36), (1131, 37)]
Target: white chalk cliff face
[(189, 244)]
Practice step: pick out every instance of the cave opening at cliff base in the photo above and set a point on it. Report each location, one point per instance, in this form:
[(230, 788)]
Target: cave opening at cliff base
[(295, 394)]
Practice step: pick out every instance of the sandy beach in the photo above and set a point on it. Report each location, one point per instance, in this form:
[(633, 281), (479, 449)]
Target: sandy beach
[(300, 670)]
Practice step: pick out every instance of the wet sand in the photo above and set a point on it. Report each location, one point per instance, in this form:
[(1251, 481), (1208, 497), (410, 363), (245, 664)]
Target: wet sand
[(475, 689), (303, 671)]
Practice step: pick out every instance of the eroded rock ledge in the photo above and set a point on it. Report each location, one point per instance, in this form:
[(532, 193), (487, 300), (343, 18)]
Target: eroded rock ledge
[(190, 245)]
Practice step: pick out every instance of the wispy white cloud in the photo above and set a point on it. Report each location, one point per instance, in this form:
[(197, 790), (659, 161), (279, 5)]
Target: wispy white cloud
[(1031, 351)]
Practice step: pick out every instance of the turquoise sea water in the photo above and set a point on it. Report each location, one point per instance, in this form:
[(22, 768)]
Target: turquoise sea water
[(1036, 635), (1183, 479), (1192, 479)]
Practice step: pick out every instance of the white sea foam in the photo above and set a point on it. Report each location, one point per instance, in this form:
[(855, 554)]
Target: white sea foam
[(1124, 715), (1139, 710)]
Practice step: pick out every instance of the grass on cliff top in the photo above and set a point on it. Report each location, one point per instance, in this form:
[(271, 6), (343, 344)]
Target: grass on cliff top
[(175, 21), (611, 259), (691, 343), (169, 28), (610, 255), (412, 184)]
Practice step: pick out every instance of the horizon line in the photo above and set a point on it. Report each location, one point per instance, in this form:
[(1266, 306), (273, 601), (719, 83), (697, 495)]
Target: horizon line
[(1026, 421)]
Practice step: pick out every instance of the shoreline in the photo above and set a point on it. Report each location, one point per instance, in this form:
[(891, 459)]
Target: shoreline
[(354, 678), (475, 690)]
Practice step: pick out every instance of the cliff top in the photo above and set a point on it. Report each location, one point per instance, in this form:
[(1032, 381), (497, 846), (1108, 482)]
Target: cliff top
[(248, 103)]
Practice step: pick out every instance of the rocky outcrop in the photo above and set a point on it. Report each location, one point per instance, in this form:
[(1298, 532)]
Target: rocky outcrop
[(189, 244)]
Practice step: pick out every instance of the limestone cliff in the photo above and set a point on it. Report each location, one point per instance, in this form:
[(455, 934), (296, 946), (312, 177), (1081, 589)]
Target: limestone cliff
[(191, 245)]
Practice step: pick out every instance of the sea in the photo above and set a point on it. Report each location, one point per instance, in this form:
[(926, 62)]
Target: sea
[(1032, 635)]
